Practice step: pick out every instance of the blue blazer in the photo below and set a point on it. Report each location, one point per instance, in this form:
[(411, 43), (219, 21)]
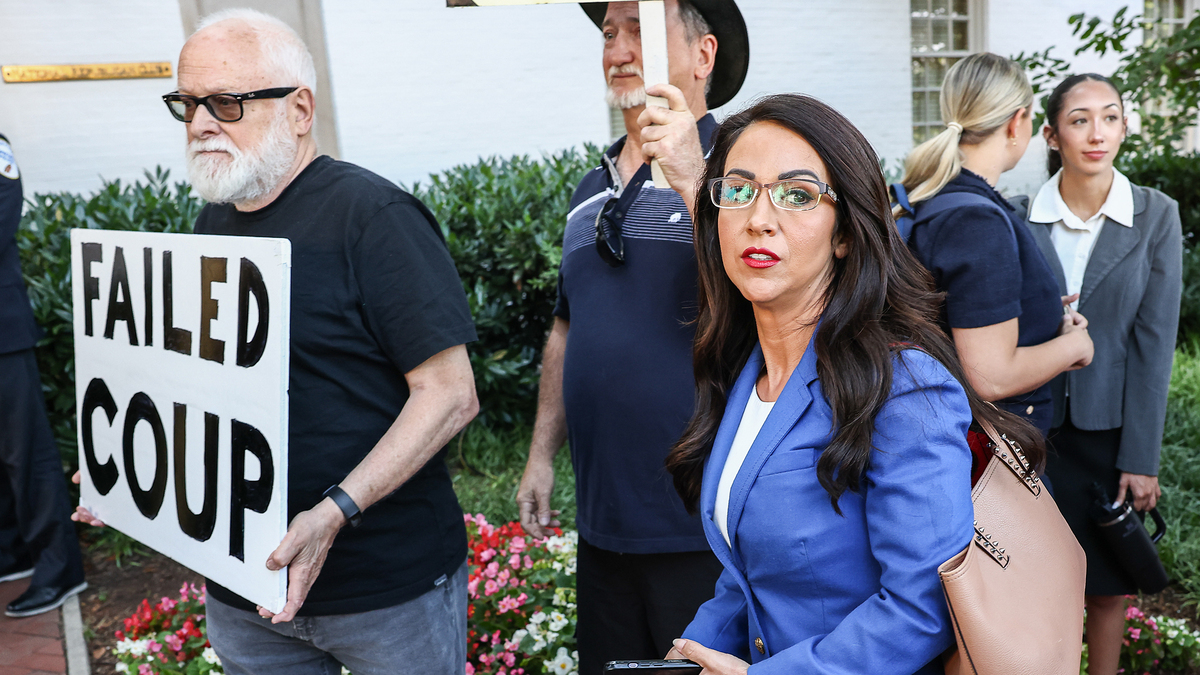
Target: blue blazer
[(805, 590)]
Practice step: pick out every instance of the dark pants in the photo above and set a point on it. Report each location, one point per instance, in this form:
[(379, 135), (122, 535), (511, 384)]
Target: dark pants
[(35, 511), (631, 606)]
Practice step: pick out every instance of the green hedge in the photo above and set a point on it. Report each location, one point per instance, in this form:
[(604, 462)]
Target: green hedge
[(503, 220), (44, 241), (1179, 473)]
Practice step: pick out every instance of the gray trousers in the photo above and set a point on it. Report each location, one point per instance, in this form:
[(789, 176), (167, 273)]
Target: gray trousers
[(426, 635)]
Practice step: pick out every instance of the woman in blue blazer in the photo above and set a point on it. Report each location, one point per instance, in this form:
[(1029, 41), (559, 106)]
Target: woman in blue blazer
[(827, 455)]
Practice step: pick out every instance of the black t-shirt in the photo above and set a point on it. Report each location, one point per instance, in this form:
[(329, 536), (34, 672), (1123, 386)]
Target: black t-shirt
[(374, 294), (987, 280)]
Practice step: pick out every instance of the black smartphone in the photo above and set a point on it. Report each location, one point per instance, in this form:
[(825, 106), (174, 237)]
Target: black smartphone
[(657, 666)]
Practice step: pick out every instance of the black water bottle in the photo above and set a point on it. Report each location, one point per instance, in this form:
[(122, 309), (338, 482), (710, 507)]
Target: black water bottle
[(1126, 536)]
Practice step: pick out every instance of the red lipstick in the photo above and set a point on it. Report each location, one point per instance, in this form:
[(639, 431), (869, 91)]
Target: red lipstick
[(759, 258)]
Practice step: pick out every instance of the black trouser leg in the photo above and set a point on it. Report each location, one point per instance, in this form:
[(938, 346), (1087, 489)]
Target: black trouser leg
[(631, 606), (32, 471)]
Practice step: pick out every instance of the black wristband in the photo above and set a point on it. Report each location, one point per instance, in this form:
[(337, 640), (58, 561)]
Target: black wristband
[(345, 503)]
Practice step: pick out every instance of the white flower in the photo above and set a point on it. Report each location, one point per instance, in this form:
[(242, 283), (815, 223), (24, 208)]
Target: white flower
[(562, 664), (537, 617), (210, 656), (557, 566), (557, 621), (345, 671), (134, 647), (551, 636), (519, 635), (539, 645), (121, 667)]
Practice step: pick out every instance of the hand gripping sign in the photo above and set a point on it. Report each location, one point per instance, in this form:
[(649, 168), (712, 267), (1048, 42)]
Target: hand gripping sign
[(653, 19), (181, 374)]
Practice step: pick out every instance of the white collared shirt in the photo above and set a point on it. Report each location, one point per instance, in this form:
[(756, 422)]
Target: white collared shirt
[(752, 421), (1074, 238)]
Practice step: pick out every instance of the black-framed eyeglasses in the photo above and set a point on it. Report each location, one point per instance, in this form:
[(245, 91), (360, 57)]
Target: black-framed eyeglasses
[(223, 107), (792, 194), (609, 243)]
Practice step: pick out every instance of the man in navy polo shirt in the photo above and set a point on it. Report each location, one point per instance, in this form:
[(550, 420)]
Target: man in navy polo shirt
[(617, 367)]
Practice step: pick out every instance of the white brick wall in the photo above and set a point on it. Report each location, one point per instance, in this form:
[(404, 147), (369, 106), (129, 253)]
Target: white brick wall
[(66, 135), (418, 87)]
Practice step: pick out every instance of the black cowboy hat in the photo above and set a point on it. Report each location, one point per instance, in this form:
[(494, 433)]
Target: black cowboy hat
[(733, 44)]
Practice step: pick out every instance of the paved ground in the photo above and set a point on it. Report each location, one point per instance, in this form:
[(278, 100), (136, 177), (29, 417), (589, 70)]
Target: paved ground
[(30, 646)]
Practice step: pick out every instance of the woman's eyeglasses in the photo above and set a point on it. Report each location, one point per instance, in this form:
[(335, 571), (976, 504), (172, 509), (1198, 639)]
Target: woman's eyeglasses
[(793, 194), (223, 107)]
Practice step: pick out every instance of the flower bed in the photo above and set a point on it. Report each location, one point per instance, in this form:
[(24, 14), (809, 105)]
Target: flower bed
[(521, 617), (168, 637), (520, 620)]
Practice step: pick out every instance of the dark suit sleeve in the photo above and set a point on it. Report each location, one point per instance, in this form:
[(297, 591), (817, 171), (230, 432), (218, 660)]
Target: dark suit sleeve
[(1152, 349)]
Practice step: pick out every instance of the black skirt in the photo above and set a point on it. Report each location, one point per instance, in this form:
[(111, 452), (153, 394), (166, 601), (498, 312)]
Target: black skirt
[(1078, 458)]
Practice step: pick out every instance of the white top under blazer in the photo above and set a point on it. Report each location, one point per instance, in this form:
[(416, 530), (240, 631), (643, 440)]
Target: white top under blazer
[(752, 421)]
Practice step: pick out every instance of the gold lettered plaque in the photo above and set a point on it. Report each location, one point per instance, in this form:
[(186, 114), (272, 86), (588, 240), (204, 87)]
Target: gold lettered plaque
[(86, 71)]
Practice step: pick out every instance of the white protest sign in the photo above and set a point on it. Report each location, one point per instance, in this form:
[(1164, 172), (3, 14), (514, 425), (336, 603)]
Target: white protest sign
[(181, 375), (652, 18)]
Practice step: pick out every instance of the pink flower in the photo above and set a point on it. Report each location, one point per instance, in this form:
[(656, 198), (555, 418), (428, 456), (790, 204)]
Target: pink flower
[(471, 586), (166, 604), (503, 576), (509, 659), (491, 570), (515, 561), (487, 555), (1135, 633), (517, 544), (154, 646), (480, 520), (490, 587), (508, 603), (144, 669), (528, 563), (174, 642), (470, 668)]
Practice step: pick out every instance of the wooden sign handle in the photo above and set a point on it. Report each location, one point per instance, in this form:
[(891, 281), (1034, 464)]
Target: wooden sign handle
[(653, 18)]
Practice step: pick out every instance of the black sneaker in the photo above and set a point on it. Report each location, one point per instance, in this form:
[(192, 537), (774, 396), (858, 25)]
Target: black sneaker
[(16, 571), (38, 599)]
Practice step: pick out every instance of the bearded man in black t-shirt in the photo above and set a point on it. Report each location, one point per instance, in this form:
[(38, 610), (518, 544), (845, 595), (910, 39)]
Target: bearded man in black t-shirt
[(379, 382)]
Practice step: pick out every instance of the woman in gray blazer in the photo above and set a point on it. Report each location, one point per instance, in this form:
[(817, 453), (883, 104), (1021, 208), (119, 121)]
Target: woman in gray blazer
[(1116, 250)]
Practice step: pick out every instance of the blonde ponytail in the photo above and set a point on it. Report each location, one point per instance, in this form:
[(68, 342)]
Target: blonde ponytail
[(979, 95)]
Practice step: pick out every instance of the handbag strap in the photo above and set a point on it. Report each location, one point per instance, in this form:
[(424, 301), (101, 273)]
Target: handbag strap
[(1010, 454)]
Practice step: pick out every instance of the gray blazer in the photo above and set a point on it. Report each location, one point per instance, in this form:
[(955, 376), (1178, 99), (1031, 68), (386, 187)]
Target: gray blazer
[(1130, 296)]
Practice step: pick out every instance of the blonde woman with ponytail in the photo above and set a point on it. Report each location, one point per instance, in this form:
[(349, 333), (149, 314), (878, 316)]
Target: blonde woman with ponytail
[(1002, 306)]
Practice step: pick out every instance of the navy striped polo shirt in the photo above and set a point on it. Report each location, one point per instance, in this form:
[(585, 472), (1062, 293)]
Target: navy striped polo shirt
[(627, 372)]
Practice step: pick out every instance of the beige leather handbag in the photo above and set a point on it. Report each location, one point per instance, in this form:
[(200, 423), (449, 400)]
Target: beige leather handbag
[(1016, 592)]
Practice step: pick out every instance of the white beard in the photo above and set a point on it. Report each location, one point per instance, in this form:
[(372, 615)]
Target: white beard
[(245, 176), (629, 99)]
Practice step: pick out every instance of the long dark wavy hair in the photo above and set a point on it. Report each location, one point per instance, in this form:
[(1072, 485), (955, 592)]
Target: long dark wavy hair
[(879, 301), (1054, 106)]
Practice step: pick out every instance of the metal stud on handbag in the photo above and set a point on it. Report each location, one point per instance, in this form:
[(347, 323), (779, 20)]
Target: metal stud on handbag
[(1016, 591)]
